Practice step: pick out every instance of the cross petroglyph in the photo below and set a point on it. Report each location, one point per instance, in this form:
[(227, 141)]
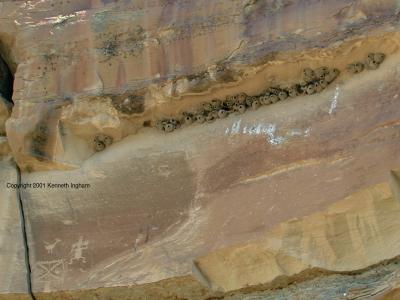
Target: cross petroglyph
[(50, 270)]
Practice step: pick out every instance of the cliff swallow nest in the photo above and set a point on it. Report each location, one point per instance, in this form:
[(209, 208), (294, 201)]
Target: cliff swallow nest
[(314, 81), (101, 141)]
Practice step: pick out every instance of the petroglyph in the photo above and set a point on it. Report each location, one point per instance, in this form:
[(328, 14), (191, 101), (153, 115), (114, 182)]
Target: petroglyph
[(50, 246), (77, 250), (50, 270)]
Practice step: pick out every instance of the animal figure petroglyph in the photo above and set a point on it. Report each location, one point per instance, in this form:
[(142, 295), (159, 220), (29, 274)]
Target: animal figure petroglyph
[(50, 247)]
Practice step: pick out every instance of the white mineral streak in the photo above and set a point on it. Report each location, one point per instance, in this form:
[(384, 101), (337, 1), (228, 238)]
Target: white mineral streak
[(267, 129), (334, 101)]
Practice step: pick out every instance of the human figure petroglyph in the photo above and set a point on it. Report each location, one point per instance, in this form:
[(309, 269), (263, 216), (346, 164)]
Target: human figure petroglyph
[(77, 250)]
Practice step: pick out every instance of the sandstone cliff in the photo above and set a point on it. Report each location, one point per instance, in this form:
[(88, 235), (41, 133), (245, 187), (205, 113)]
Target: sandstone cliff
[(131, 170)]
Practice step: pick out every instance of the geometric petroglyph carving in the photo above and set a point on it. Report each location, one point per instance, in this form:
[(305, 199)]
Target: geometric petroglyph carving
[(77, 250), (50, 270)]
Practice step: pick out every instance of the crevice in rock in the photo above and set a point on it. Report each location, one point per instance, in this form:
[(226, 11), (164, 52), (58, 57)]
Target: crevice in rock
[(6, 80), (6, 91), (24, 236)]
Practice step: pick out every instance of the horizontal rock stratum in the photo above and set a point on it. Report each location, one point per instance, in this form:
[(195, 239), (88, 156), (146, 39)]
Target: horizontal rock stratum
[(297, 199)]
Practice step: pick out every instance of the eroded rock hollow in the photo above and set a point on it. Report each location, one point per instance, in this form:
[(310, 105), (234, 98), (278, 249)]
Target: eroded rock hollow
[(196, 149)]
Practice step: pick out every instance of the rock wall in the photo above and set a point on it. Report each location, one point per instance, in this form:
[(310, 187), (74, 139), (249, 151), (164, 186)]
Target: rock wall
[(13, 279), (296, 191), (71, 58)]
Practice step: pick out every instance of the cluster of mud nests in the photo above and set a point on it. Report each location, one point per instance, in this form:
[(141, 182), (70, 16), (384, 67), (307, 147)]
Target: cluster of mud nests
[(101, 141), (314, 81)]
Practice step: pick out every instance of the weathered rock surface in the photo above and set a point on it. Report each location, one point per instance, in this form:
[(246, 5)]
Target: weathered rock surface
[(376, 283), (72, 61), (302, 194), (13, 271), (239, 178), (5, 109), (346, 237), (5, 151)]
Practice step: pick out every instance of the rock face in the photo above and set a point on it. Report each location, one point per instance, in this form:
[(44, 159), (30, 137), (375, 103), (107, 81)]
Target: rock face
[(225, 192), (346, 237), (12, 252), (301, 195), (74, 62)]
